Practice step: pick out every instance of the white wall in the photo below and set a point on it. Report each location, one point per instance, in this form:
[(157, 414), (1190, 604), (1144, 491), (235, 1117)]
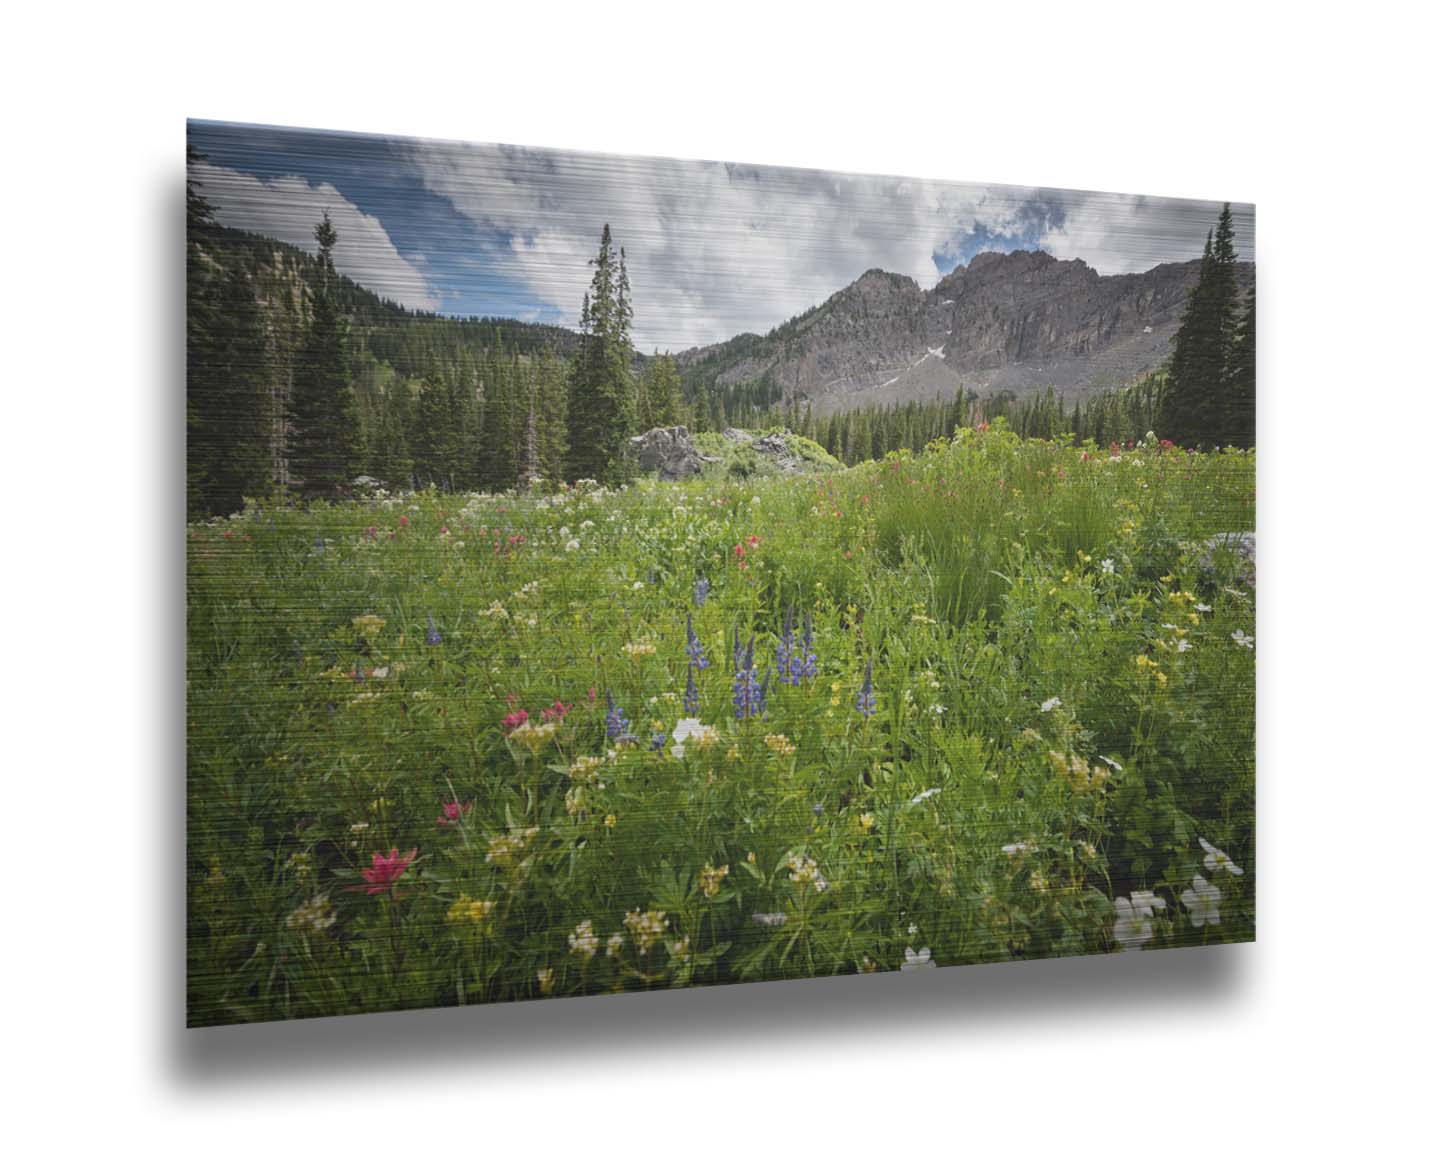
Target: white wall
[(1323, 1030)]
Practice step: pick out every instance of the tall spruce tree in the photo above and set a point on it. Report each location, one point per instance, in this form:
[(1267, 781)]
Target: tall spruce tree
[(1196, 402), (601, 412), (201, 355), (227, 452), (1239, 410), (324, 422), (659, 398), (554, 399), (390, 457)]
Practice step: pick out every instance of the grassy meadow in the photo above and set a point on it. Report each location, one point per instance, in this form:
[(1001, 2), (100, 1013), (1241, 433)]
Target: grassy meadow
[(994, 701)]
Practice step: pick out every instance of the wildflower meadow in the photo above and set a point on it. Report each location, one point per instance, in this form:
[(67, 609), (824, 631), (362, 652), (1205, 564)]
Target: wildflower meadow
[(991, 701)]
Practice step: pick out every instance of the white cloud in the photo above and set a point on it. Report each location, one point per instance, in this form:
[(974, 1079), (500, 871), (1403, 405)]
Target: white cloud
[(287, 208), (716, 249), (713, 249), (1115, 233)]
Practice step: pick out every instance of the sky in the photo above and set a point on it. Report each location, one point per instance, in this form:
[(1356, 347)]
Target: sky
[(713, 249)]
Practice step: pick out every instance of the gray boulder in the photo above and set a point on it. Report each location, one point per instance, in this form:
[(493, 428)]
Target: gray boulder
[(1242, 544), (667, 452), (777, 448)]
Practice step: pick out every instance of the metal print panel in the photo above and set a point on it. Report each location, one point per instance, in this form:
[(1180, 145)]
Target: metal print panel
[(609, 574)]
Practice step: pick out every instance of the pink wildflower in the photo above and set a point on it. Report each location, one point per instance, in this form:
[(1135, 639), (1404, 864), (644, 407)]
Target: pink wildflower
[(384, 871)]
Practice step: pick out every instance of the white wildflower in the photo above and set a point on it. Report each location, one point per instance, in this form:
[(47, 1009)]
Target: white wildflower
[(584, 940), (1216, 859), (1132, 925), (691, 729), (1241, 639), (1202, 901), (1050, 704), (917, 961)]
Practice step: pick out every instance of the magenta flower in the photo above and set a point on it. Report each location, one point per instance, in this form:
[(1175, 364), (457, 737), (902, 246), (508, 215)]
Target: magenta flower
[(385, 871), (451, 813)]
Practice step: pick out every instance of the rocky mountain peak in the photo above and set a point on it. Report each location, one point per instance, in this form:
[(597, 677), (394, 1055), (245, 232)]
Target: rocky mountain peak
[(1020, 321)]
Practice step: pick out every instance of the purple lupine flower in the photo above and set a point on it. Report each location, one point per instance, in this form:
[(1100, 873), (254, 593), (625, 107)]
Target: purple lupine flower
[(702, 591), (432, 634), (319, 546), (803, 664), (692, 693), (616, 726), (693, 648), (786, 646), (747, 698), (865, 701), (657, 741)]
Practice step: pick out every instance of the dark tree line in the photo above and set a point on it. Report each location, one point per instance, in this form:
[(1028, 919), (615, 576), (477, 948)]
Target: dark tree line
[(1123, 415), (299, 381)]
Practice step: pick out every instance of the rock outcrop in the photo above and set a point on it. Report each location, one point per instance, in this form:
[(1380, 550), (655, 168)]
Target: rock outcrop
[(1241, 544), (776, 448), (668, 453)]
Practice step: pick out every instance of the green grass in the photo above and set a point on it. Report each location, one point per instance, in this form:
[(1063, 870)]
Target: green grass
[(1025, 608)]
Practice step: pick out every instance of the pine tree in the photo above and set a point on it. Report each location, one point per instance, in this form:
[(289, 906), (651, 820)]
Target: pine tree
[(554, 400), (431, 437), (324, 423), (659, 395), (1239, 410), (227, 383), (1196, 401), (530, 443), (602, 392), (201, 355), (390, 457)]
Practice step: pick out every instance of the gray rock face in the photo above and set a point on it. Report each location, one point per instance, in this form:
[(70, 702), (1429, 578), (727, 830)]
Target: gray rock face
[(777, 448), (668, 453), (1242, 544), (1022, 321)]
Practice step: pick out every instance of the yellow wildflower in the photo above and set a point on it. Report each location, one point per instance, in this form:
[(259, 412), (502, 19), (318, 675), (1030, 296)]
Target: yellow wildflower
[(646, 927), (779, 743), (466, 910), (368, 625), (711, 878)]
